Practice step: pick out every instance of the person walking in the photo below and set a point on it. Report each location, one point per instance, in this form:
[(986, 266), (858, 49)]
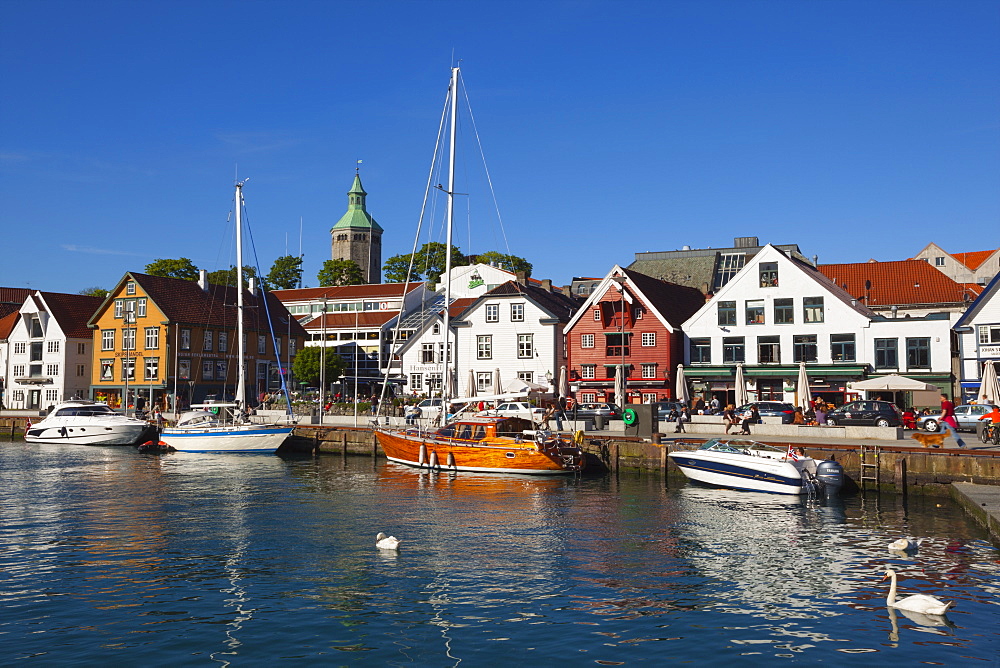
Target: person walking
[(729, 417), (947, 419)]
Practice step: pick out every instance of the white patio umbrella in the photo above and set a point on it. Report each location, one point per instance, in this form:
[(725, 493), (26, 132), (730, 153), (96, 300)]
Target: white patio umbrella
[(620, 386), (497, 387), (741, 387), (989, 387), (681, 392), (471, 386), (892, 382), (563, 383), (802, 387)]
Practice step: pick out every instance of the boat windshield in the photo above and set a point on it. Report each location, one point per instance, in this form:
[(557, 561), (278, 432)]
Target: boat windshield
[(86, 411), (740, 447)]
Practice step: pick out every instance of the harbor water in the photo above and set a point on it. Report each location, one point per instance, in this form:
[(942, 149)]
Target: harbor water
[(111, 557)]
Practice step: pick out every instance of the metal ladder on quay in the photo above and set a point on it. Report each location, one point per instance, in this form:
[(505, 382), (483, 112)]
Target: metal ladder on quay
[(869, 465)]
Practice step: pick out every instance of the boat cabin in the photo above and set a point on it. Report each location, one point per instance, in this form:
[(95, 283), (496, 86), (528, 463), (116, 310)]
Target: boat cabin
[(480, 428)]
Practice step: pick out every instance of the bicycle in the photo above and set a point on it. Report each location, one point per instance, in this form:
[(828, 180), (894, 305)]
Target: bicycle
[(991, 433)]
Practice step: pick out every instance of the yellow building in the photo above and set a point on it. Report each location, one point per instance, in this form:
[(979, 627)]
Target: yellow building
[(156, 338)]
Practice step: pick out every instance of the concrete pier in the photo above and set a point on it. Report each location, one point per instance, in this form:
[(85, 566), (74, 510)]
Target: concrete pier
[(982, 502)]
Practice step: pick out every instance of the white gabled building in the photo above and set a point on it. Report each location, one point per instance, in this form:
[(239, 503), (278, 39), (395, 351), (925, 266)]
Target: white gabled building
[(50, 350), (778, 311), (978, 339)]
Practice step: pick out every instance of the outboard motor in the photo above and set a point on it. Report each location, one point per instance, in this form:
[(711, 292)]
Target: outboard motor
[(830, 474)]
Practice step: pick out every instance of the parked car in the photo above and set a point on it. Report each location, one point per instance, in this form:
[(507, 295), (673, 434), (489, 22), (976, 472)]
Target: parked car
[(521, 409), (967, 416), (877, 413), (430, 408), (663, 408), (608, 411), (769, 409)]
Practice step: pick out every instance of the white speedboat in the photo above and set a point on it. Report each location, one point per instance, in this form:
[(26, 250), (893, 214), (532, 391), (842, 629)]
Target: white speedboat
[(749, 465), (222, 428), (84, 422)]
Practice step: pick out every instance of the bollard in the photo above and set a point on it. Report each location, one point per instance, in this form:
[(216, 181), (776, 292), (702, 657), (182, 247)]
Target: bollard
[(598, 422), (901, 476)]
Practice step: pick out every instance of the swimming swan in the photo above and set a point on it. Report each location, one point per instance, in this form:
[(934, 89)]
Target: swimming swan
[(926, 605), (384, 542), (905, 544)]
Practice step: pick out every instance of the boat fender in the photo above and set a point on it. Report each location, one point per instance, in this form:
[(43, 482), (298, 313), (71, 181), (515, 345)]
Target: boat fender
[(451, 460), (434, 460), (422, 457)]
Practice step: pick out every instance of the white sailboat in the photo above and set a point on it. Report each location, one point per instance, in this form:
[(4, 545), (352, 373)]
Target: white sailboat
[(226, 427)]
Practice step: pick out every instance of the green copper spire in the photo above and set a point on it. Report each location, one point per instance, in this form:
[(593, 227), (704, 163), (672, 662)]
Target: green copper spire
[(357, 216)]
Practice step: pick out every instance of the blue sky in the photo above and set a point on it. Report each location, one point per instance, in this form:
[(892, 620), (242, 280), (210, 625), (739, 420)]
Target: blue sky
[(855, 129)]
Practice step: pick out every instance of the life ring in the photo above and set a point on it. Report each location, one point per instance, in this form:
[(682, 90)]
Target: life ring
[(629, 416)]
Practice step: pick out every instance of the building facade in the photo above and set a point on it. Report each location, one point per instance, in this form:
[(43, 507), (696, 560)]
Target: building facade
[(978, 333), (629, 321), (977, 267)]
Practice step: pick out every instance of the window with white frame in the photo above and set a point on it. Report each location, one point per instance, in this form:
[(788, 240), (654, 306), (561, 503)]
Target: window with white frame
[(417, 382), (637, 312), (517, 312), (586, 340), (119, 307), (20, 347), (18, 370), (130, 311), (185, 339), (261, 344), (208, 341), (939, 261), (52, 347), (484, 382), (525, 346), (484, 347), (648, 339), (141, 307), (128, 338), (107, 369), (184, 369), (223, 341), (526, 376), (588, 397), (130, 288), (436, 329), (107, 339), (597, 315), (588, 371), (152, 338), (207, 369), (649, 397), (51, 369), (434, 382), (128, 368), (221, 368), (152, 368), (649, 371), (427, 353), (51, 395), (493, 313), (989, 334)]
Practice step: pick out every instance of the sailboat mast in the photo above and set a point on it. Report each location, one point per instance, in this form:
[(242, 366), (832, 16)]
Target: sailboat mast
[(241, 381), (448, 370)]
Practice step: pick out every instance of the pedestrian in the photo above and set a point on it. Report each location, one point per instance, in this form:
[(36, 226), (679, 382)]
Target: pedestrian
[(752, 416), (714, 405), (947, 419), (682, 417), (729, 417)]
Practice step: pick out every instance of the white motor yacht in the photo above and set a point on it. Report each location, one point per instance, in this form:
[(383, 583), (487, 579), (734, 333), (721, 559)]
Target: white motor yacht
[(84, 422)]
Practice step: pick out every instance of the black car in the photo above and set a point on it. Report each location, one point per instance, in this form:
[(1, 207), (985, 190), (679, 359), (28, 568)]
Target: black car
[(877, 413), (769, 409), (608, 411)]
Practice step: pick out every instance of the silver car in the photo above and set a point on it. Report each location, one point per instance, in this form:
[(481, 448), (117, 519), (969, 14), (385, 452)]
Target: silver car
[(967, 416)]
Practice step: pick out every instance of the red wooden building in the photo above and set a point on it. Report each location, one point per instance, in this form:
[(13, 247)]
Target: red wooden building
[(633, 321)]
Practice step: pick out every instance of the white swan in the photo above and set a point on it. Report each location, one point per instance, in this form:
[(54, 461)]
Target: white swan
[(384, 542), (925, 605), (905, 544)]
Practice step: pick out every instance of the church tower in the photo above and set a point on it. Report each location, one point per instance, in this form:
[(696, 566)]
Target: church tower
[(357, 236)]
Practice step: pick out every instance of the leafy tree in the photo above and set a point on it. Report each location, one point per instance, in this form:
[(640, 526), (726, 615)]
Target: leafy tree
[(286, 273), (503, 261), (340, 272), (428, 264), (94, 292), (308, 361), (228, 276), (180, 268)]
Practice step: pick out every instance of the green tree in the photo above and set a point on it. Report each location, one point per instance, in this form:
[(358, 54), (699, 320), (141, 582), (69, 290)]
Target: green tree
[(228, 276), (340, 272), (94, 292), (179, 268), (503, 261), (286, 273), (428, 264), (308, 361)]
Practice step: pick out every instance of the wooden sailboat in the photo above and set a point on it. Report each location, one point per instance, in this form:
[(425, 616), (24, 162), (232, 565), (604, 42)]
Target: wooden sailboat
[(481, 444), (226, 427)]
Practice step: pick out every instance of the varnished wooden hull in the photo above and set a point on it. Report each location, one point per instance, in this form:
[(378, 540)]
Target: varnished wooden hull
[(496, 455)]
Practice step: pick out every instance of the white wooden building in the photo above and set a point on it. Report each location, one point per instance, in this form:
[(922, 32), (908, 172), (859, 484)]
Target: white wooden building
[(979, 339)]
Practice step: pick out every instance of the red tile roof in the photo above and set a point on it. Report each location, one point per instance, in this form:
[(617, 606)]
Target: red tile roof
[(342, 320), (973, 259), (7, 323), (900, 282), (335, 292)]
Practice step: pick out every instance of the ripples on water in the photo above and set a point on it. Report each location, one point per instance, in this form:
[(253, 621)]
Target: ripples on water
[(108, 556)]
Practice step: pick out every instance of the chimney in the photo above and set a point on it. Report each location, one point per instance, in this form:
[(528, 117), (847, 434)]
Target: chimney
[(203, 279), (815, 260), (547, 284), (252, 286), (522, 277)]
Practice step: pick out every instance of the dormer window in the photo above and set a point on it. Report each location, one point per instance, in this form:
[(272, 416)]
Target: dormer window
[(768, 274), (130, 288)]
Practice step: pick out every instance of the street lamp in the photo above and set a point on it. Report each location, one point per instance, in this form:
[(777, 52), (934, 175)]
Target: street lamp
[(620, 281)]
